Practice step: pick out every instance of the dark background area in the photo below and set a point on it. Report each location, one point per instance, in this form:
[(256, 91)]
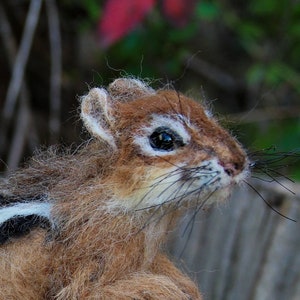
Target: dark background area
[(241, 57)]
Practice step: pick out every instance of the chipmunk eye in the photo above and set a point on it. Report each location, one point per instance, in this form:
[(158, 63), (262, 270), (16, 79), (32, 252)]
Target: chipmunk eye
[(165, 139)]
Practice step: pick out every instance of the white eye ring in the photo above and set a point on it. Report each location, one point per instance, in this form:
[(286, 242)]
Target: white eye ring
[(175, 128)]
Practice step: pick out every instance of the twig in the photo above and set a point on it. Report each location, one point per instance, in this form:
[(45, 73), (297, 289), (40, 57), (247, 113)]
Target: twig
[(55, 77), (24, 114), (10, 47), (20, 136), (21, 60)]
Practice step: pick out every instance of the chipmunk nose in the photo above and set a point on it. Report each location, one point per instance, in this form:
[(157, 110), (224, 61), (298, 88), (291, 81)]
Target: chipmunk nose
[(231, 169)]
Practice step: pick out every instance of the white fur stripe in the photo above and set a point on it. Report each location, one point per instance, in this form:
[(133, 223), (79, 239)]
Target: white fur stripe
[(25, 209)]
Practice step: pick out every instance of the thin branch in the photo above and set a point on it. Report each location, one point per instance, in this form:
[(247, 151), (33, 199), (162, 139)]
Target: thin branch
[(23, 120), (55, 77), (20, 135), (21, 61)]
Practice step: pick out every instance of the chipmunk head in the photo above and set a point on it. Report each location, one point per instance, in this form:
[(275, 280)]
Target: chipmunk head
[(168, 149)]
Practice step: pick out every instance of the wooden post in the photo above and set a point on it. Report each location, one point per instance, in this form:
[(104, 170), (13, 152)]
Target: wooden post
[(242, 249)]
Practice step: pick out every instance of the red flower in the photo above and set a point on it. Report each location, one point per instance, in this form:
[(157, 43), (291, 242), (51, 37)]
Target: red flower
[(178, 11), (120, 17)]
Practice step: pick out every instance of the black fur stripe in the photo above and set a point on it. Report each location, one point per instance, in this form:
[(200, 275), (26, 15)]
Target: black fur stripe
[(21, 225)]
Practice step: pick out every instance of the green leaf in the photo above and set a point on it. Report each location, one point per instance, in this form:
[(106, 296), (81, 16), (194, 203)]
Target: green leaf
[(250, 30), (207, 10), (183, 34), (294, 30), (255, 74), (266, 7)]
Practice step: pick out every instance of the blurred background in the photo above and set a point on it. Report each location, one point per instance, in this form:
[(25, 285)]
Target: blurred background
[(242, 58)]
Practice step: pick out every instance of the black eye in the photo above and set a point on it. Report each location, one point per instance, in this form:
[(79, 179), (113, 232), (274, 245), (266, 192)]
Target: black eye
[(165, 139)]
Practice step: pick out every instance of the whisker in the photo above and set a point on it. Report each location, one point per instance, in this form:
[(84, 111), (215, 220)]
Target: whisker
[(281, 175), (204, 185), (267, 203), (165, 202), (199, 207), (173, 208), (190, 169), (274, 179), (171, 106), (200, 171), (156, 184), (172, 164), (270, 164), (191, 222), (156, 207), (163, 177), (180, 103), (182, 196), (271, 158), (176, 205), (263, 179)]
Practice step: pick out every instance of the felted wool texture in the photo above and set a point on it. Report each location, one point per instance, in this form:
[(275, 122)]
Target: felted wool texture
[(112, 201)]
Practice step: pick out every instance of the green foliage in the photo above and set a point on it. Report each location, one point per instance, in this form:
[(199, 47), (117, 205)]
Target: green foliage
[(284, 136), (85, 13), (275, 133), (208, 10), (157, 40), (93, 9), (266, 7), (262, 38), (268, 31)]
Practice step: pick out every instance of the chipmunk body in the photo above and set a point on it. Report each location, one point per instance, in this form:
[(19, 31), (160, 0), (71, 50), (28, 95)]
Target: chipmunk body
[(90, 224)]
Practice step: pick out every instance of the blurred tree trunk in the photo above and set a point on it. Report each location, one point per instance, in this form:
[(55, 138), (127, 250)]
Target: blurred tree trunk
[(243, 250)]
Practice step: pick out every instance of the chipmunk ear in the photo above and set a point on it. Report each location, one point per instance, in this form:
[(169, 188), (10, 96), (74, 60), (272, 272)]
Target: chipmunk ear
[(126, 89), (96, 115)]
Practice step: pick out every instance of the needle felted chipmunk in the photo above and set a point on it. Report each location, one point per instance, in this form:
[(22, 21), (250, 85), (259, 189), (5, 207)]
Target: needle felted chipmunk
[(91, 224)]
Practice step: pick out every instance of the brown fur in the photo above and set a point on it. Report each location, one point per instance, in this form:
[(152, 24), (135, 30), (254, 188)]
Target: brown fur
[(97, 249)]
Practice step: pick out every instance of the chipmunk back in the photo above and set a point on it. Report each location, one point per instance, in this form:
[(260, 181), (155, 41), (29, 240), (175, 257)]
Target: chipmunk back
[(91, 224)]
